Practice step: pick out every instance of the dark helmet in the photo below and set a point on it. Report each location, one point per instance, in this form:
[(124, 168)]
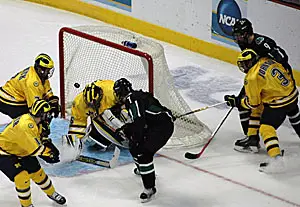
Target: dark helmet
[(247, 59), (44, 66), (41, 108), (122, 88), (92, 95), (242, 29)]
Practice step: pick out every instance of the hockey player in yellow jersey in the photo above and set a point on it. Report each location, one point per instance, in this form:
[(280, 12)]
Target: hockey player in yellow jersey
[(269, 83), (20, 143), (19, 93), (96, 115)]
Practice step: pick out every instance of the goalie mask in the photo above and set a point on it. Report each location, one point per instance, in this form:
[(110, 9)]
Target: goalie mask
[(92, 95), (246, 60), (41, 108), (241, 30), (122, 88), (44, 66)]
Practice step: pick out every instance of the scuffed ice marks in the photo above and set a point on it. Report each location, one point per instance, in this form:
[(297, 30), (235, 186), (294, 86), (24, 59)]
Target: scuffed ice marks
[(203, 85)]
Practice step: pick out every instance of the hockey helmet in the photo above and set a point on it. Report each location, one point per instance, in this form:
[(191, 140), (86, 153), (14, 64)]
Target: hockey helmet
[(241, 30), (92, 95), (246, 60), (41, 108), (44, 66), (122, 88)]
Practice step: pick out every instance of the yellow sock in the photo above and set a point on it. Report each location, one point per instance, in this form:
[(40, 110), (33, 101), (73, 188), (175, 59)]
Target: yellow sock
[(43, 181), (22, 183)]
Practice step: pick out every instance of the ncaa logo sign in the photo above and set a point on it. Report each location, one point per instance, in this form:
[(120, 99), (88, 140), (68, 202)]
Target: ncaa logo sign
[(228, 12)]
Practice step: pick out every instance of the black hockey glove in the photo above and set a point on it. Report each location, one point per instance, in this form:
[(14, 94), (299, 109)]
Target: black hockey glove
[(45, 129), (232, 100), (55, 107), (54, 153)]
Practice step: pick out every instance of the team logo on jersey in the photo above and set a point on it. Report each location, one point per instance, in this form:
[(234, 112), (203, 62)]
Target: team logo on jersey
[(259, 40), (36, 84), (30, 125)]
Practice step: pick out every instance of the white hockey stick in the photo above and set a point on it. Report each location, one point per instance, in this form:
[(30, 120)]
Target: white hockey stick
[(109, 164), (103, 163)]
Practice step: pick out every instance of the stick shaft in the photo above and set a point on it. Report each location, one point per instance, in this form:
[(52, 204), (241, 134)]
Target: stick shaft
[(197, 155), (200, 109)]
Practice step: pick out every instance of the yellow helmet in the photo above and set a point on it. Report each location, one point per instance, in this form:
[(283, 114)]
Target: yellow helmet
[(40, 107), (44, 61), (92, 95), (247, 59), (44, 66)]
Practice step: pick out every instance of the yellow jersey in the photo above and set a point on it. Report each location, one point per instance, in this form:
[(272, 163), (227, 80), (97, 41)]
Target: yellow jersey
[(21, 137), (24, 88), (80, 111), (268, 82)]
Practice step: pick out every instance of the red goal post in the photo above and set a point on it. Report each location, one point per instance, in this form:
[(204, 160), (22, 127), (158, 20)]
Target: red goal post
[(88, 53)]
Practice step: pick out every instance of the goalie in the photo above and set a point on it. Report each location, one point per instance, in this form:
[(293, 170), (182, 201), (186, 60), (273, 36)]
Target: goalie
[(96, 118)]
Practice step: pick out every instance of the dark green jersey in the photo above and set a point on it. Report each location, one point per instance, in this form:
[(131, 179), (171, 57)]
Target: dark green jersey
[(146, 112)]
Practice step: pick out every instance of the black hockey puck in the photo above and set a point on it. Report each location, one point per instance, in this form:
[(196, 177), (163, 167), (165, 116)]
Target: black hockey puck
[(76, 85)]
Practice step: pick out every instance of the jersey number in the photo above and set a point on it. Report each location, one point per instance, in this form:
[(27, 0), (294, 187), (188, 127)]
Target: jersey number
[(278, 74)]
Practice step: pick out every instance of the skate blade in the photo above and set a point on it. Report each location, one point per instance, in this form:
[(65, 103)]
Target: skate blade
[(148, 199), (246, 150)]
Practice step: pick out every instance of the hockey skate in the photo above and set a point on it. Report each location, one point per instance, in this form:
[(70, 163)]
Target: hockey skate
[(248, 144), (58, 198), (273, 165), (147, 194)]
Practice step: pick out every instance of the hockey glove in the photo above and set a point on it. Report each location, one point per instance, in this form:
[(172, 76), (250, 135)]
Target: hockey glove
[(232, 100), (55, 107), (54, 153), (45, 129)]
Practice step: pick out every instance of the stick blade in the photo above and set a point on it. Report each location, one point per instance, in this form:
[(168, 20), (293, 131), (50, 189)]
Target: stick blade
[(191, 156), (114, 161)]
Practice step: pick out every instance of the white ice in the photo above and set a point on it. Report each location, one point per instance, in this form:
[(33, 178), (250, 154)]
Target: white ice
[(221, 177)]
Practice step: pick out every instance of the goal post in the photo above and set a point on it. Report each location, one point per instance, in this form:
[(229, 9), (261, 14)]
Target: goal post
[(88, 53)]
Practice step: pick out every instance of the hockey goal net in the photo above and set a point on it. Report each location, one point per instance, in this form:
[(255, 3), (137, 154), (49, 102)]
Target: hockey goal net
[(88, 53)]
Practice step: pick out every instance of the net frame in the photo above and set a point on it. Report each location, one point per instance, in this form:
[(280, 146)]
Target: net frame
[(188, 141)]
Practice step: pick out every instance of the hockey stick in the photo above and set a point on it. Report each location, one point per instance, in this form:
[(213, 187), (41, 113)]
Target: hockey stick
[(200, 109), (190, 155), (103, 163)]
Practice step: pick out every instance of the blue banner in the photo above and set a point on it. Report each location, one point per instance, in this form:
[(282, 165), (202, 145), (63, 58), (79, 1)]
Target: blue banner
[(224, 15), (121, 4)]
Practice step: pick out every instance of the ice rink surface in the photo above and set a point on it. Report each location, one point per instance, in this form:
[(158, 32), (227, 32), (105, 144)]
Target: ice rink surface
[(221, 177)]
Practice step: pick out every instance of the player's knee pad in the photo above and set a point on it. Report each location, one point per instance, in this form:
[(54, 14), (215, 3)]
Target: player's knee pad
[(22, 179)]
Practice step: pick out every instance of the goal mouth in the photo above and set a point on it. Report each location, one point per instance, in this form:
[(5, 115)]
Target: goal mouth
[(88, 53)]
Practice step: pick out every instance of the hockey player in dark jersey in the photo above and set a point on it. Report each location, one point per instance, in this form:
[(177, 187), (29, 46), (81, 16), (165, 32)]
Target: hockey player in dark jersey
[(152, 126), (264, 47)]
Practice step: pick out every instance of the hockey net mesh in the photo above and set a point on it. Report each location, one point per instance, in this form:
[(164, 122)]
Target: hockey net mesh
[(85, 60)]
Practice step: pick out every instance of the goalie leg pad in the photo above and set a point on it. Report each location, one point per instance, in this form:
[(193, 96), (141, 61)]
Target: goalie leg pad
[(110, 135)]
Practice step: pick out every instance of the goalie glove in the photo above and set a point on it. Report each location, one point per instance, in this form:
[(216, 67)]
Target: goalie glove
[(55, 107)]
